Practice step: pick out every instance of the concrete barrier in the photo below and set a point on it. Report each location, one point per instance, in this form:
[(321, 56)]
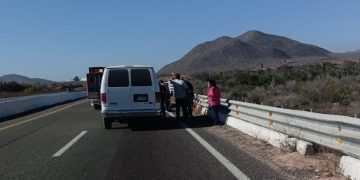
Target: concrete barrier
[(21, 105), (274, 138), (350, 167)]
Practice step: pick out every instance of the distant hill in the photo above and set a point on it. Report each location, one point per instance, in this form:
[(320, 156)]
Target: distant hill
[(350, 55), (356, 52), (352, 52), (249, 50), (24, 80)]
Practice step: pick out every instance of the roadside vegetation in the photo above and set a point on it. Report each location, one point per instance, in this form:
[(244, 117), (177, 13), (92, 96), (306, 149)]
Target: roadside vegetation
[(323, 87), (14, 89)]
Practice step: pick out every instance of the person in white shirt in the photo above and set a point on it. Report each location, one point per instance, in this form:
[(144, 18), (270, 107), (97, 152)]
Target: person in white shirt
[(180, 93)]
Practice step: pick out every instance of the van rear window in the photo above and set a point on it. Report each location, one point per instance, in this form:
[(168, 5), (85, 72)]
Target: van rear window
[(118, 78), (140, 77)]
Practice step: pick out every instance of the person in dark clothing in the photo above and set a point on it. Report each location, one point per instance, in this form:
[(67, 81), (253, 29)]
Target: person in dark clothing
[(190, 97), (167, 95), (180, 90), (163, 95)]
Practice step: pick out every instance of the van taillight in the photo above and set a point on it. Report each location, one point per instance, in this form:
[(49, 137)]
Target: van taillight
[(103, 97), (157, 97)]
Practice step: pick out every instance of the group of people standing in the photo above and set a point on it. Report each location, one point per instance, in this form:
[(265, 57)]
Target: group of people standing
[(183, 92), (184, 95)]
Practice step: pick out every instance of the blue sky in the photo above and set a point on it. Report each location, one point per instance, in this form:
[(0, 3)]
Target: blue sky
[(58, 39)]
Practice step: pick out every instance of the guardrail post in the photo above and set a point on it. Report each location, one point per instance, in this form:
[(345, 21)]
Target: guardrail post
[(339, 141), (270, 119)]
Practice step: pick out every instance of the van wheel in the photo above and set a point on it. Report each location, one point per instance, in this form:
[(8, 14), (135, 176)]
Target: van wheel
[(157, 119), (97, 107), (107, 123)]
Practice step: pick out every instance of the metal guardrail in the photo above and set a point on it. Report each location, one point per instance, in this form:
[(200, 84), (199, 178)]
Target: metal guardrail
[(337, 132)]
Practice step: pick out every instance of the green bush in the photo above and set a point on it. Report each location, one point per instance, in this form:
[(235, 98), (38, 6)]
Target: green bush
[(12, 87)]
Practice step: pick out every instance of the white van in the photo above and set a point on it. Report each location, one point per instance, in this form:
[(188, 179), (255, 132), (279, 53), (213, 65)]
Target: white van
[(129, 91)]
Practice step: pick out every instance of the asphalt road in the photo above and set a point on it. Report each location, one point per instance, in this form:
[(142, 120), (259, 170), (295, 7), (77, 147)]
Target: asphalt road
[(34, 147)]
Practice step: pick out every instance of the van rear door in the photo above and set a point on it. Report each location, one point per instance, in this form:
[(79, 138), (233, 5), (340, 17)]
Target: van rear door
[(118, 90), (142, 89)]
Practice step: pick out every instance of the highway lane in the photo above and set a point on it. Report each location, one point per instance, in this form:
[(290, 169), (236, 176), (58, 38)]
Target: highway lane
[(141, 150)]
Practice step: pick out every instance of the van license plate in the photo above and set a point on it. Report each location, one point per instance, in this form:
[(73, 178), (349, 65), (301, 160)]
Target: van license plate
[(140, 98)]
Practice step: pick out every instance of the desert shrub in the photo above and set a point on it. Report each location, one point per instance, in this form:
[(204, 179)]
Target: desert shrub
[(12, 87), (258, 95), (292, 86), (317, 86), (278, 90), (332, 90), (310, 90), (32, 89), (292, 101), (239, 92)]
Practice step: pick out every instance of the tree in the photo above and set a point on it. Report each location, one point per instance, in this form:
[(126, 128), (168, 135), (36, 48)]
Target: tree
[(76, 79)]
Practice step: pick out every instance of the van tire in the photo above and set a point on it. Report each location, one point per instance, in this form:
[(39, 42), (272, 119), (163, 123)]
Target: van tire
[(97, 107), (107, 123)]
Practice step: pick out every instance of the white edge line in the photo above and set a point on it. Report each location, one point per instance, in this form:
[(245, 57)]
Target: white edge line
[(230, 166), (68, 145)]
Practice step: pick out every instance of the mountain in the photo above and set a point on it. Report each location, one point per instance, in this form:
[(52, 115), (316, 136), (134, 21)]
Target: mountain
[(350, 55), (351, 52), (291, 47), (24, 79), (355, 52), (251, 49)]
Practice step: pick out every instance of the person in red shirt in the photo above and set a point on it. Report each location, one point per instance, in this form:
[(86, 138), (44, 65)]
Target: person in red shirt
[(214, 99)]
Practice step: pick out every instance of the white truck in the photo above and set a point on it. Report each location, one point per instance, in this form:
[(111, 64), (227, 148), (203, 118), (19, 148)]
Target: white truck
[(93, 85)]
